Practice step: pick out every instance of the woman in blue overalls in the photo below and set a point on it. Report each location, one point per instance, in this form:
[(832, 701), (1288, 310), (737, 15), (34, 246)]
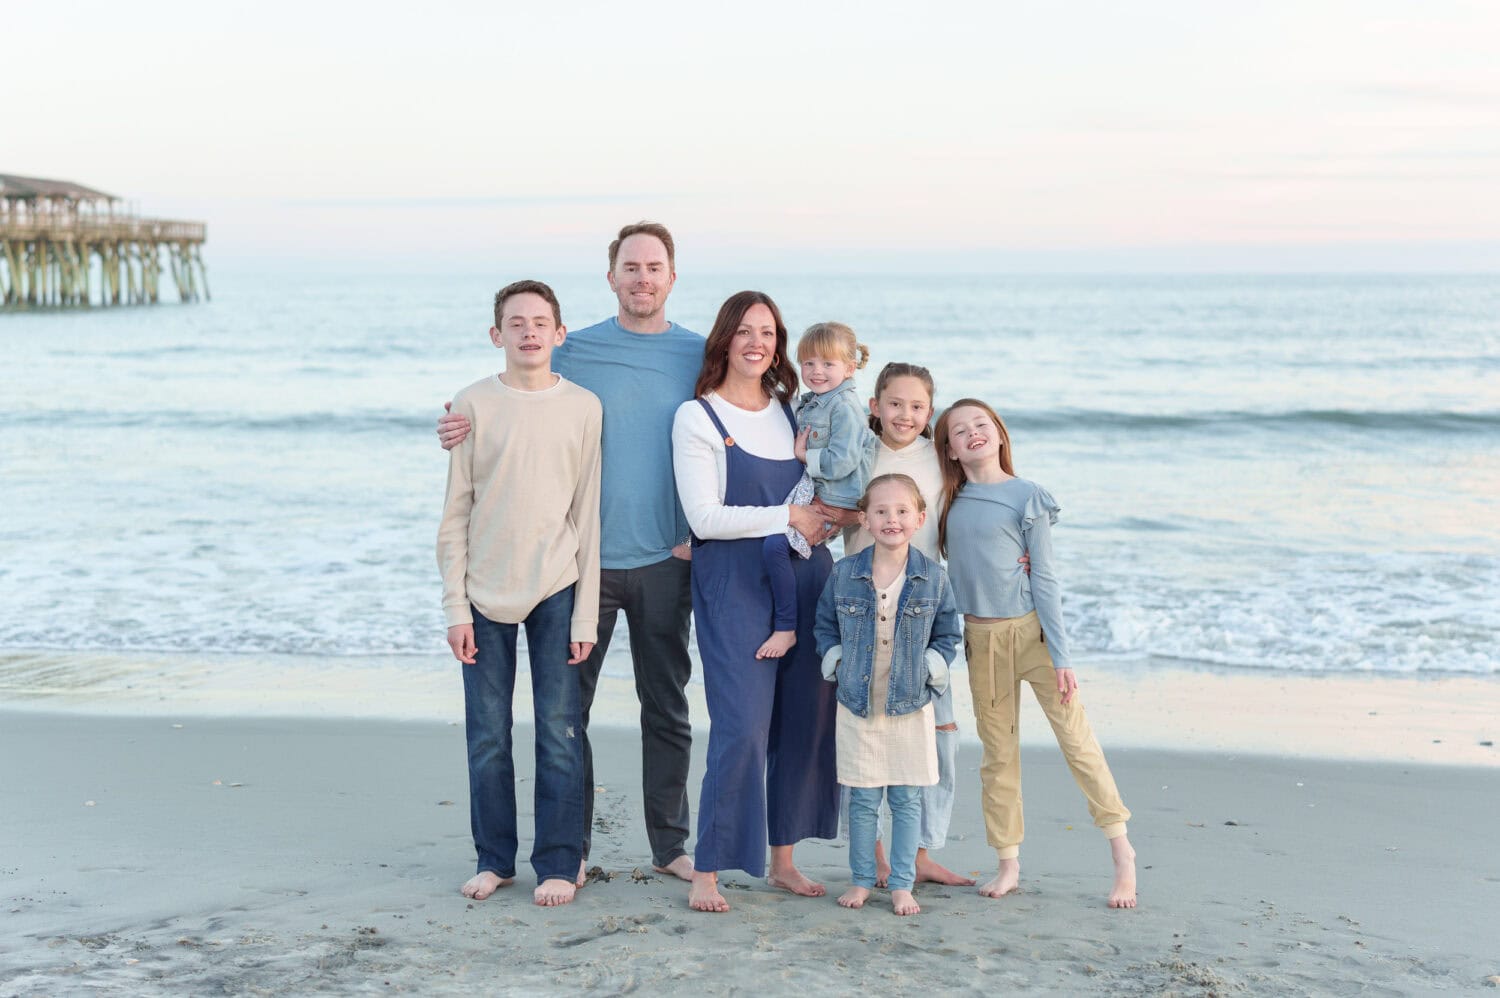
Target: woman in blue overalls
[(771, 771)]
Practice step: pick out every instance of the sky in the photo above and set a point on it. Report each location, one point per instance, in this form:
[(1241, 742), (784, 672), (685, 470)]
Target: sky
[(804, 135)]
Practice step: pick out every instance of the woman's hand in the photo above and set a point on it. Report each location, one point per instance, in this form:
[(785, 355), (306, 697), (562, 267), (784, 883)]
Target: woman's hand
[(840, 518), (452, 428), (809, 523), (579, 650), (799, 446), (1067, 685)]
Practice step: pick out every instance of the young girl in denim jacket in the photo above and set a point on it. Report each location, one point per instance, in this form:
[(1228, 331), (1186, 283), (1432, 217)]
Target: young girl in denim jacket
[(887, 630), (1014, 634), (837, 446)]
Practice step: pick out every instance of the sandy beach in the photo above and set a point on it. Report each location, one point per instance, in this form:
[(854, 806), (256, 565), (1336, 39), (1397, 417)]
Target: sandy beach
[(213, 852)]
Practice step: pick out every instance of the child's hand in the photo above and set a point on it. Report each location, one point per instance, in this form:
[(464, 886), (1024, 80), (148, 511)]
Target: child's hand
[(579, 650), (800, 447), (461, 640), (1025, 562), (1067, 685)]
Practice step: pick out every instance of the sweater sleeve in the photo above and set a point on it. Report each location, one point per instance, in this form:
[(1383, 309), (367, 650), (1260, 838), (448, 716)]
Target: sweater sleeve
[(1046, 594), (584, 513), (453, 530), (698, 465)]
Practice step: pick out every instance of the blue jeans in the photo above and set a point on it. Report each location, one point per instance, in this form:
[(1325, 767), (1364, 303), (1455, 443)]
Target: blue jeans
[(864, 825), (488, 687)]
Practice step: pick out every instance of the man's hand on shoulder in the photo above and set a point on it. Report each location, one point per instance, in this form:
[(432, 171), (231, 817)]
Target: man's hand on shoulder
[(452, 428)]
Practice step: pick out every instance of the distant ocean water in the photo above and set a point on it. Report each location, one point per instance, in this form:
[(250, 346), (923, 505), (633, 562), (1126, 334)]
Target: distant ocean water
[(1286, 473)]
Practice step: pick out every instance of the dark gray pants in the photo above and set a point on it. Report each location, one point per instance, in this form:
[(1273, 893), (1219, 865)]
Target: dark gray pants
[(657, 600)]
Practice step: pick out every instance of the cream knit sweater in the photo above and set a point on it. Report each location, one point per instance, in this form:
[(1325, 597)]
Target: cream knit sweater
[(521, 515)]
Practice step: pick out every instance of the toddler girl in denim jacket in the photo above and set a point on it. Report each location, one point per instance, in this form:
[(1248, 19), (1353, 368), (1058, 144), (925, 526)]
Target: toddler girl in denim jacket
[(836, 443), (887, 630)]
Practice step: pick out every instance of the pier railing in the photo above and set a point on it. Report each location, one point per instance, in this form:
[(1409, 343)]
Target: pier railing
[(88, 228)]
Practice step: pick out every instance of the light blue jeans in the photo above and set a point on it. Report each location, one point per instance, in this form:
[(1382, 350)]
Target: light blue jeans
[(864, 824), (937, 800)]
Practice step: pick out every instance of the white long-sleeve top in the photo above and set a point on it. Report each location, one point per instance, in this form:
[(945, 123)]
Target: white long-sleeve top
[(698, 463)]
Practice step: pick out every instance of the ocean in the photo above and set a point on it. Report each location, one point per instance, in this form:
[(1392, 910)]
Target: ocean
[(1297, 473)]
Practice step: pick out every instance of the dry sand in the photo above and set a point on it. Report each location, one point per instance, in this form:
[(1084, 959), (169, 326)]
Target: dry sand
[(226, 855)]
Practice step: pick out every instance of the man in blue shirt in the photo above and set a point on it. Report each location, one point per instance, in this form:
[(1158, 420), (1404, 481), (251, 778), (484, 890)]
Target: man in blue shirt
[(642, 367)]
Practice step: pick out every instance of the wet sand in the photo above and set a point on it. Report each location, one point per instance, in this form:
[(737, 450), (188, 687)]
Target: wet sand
[(253, 855)]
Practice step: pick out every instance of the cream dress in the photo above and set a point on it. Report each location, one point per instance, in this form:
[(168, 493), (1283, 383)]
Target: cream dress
[(880, 750)]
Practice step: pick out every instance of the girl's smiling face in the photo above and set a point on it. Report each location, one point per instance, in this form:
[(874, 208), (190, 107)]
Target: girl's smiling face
[(892, 514), (903, 408), (973, 437), (823, 374)]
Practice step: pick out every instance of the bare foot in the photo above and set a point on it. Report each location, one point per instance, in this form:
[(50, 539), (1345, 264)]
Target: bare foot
[(882, 865), (854, 897), (681, 868), (902, 903), (553, 892), (929, 871), (777, 645), (791, 879), (704, 895), (1122, 895), (583, 873), (1006, 881), (482, 885)]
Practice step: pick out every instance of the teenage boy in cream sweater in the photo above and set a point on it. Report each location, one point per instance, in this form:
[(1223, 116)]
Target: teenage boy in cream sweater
[(519, 544)]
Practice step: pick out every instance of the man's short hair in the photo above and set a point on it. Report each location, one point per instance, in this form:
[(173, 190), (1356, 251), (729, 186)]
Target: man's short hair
[(526, 288), (644, 229)]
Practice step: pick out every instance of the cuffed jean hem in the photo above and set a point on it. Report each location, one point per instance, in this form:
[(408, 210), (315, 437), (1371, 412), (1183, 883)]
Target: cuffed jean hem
[(491, 868)]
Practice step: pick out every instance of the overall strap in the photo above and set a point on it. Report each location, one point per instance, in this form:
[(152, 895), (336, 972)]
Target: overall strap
[(718, 425), (790, 418)]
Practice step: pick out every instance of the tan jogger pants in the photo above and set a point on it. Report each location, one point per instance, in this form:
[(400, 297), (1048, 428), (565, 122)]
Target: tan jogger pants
[(1001, 656)]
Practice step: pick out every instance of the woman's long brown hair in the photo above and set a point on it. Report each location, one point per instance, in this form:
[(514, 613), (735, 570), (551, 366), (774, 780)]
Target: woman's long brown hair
[(954, 478), (779, 381)]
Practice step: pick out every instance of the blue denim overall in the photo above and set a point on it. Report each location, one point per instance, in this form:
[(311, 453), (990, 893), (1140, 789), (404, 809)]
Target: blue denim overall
[(771, 769)]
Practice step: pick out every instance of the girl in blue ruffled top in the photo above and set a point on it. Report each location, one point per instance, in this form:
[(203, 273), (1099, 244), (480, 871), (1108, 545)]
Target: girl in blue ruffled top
[(1013, 633)]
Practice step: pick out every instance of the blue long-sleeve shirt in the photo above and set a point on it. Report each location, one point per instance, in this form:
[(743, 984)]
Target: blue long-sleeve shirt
[(989, 527)]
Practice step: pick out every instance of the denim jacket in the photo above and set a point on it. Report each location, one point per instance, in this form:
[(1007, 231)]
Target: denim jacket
[(927, 633), (841, 447)]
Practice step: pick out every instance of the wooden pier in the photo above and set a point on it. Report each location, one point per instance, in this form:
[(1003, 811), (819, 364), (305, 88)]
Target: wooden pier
[(66, 245)]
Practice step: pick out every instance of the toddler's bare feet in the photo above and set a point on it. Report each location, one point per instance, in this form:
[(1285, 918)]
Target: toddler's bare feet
[(482, 885), (777, 645), (554, 891), (704, 894), (902, 903), (681, 868), (882, 865), (930, 871), (1122, 895), (854, 897), (1006, 881)]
